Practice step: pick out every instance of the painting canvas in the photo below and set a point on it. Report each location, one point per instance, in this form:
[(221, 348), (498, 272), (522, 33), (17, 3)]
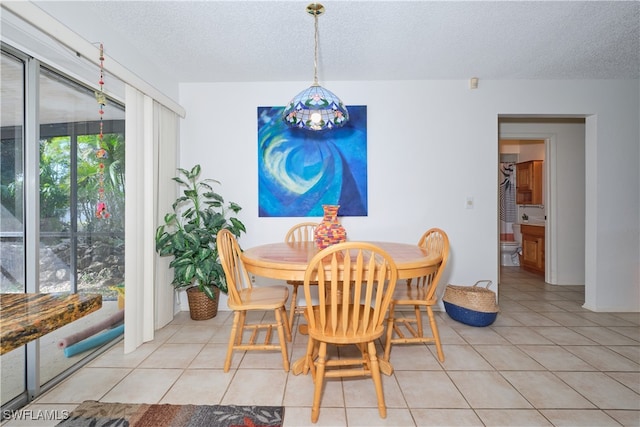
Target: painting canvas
[(299, 170)]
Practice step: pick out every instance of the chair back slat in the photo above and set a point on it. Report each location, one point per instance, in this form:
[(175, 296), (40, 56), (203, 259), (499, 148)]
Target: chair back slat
[(379, 301)]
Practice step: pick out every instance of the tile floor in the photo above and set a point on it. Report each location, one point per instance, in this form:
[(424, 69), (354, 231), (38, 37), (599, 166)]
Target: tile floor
[(545, 361)]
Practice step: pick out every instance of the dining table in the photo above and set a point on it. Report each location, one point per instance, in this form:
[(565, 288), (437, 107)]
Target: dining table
[(289, 261)]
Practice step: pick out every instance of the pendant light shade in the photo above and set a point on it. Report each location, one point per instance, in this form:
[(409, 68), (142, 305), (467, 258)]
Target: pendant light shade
[(315, 108)]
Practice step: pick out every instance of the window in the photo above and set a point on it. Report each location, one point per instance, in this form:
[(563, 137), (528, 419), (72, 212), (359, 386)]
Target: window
[(81, 250)]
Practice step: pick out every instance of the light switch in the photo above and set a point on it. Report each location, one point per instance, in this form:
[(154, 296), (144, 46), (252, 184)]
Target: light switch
[(469, 202)]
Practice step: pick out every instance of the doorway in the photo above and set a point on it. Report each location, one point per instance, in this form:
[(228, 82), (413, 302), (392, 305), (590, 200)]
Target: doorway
[(563, 188)]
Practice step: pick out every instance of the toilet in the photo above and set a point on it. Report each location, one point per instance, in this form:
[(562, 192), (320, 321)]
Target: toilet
[(509, 249), (507, 257)]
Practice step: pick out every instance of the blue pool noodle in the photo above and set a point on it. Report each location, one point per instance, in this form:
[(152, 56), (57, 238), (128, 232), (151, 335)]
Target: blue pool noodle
[(93, 341)]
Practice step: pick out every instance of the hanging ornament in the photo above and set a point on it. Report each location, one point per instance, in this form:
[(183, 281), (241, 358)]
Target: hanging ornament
[(101, 153)]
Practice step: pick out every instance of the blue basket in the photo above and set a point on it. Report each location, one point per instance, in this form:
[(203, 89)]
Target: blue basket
[(469, 317), (472, 305)]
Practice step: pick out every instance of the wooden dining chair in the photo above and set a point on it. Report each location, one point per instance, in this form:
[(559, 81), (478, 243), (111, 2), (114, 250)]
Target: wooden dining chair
[(302, 232), (355, 281), (243, 297), (418, 293)]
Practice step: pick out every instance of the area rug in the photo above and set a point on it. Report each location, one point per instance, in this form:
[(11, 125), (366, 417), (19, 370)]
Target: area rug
[(91, 413)]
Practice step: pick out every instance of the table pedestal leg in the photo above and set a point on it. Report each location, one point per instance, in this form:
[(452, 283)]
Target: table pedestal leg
[(385, 367), (297, 366)]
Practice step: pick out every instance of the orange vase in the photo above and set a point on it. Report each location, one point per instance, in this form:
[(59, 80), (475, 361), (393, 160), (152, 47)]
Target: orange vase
[(330, 231)]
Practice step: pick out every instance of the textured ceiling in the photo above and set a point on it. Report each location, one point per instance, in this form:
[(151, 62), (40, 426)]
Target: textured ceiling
[(231, 41)]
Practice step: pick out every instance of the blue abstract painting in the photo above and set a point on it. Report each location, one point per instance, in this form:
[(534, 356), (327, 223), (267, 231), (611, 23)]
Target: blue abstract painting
[(299, 170)]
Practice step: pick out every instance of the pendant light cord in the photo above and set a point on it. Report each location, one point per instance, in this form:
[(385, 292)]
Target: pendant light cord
[(315, 56)]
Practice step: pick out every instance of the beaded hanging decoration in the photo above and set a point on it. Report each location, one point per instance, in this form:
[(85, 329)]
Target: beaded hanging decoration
[(101, 153)]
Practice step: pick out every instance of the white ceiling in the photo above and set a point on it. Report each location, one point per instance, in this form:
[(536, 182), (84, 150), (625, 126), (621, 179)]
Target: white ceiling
[(231, 41)]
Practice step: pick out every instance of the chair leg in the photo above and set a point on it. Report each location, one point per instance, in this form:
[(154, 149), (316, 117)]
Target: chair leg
[(242, 320), (418, 314), (436, 334), (281, 336), (232, 340), (287, 325), (390, 321), (294, 304), (318, 382), (377, 379)]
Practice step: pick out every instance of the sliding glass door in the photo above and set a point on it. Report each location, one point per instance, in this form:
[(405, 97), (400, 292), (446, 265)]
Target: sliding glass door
[(62, 214)]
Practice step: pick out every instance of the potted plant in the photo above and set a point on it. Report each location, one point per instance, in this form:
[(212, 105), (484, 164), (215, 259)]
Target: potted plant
[(189, 235)]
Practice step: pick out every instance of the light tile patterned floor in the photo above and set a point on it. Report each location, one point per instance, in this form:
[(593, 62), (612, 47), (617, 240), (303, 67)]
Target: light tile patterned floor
[(545, 361)]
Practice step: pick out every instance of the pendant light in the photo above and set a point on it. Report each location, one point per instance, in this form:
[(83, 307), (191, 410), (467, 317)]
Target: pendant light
[(315, 108)]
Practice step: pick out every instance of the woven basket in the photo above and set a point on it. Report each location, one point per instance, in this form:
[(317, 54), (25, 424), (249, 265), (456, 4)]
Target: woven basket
[(201, 307), (472, 305)]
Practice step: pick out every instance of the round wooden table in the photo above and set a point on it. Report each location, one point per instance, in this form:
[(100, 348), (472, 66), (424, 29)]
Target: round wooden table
[(288, 261)]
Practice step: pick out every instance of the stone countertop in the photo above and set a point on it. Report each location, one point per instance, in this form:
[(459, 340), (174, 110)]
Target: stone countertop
[(27, 316)]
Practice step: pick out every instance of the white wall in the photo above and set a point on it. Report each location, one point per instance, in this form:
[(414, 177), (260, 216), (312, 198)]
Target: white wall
[(430, 145)]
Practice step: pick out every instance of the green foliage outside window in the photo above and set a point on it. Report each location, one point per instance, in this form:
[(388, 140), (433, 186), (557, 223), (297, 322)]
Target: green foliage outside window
[(55, 178)]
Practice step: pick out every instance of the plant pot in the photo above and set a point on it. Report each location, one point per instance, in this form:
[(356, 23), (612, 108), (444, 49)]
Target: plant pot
[(201, 307)]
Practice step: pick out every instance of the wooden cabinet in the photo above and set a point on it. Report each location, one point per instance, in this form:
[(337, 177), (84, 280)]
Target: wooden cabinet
[(529, 183), (532, 248)]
